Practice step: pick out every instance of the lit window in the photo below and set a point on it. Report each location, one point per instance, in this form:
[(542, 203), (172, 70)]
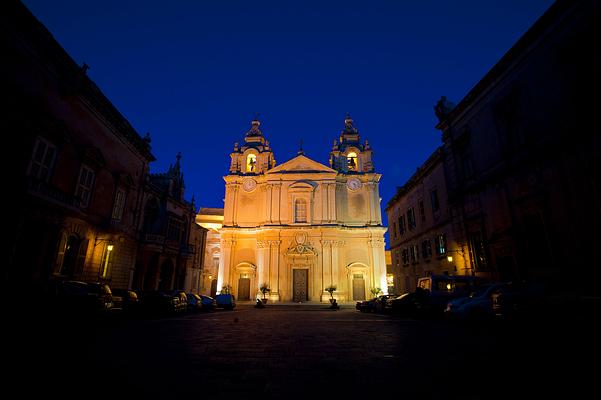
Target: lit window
[(119, 204), (84, 185), (441, 244), (251, 163), (351, 160), (41, 162), (390, 280), (300, 210)]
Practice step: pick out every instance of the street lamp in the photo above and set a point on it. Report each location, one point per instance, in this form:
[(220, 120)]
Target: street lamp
[(109, 248)]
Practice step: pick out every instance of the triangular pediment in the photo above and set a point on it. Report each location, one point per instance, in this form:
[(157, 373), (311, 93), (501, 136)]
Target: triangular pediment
[(301, 164)]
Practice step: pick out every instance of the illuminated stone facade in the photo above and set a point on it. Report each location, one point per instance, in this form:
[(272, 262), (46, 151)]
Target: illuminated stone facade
[(302, 226), (212, 220)]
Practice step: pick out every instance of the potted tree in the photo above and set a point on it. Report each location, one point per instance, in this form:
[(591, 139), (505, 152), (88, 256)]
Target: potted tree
[(331, 289), (264, 288), (375, 291)]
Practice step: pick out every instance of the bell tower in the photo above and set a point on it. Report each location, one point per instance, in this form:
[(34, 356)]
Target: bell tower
[(350, 156), (255, 157)]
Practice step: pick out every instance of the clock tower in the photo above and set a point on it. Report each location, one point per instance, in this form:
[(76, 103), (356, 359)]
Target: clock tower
[(255, 156), (350, 156)]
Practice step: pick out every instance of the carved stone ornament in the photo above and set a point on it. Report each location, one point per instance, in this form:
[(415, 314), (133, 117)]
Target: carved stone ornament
[(300, 237), (304, 249)]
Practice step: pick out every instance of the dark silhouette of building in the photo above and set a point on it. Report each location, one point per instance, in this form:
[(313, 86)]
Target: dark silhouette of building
[(77, 165), (171, 243), (422, 232), (78, 179), (522, 151)]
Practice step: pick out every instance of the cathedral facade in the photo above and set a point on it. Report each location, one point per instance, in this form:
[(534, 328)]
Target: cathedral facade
[(302, 226)]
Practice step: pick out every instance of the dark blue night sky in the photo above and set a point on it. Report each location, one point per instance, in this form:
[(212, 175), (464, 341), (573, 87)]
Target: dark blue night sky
[(194, 73)]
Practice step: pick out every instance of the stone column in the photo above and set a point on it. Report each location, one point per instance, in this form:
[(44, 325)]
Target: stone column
[(263, 255), (326, 267), (376, 197), (378, 259), (225, 263), (274, 269), (332, 203), (276, 207), (269, 202), (338, 270), (235, 190)]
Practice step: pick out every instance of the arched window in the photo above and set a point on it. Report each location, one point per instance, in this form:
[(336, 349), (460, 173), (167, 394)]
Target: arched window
[(300, 210), (351, 160), (251, 163)]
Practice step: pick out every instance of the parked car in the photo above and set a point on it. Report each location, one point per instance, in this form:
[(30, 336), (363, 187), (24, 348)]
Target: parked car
[(182, 303), (443, 288), (208, 303), (518, 301), (478, 305), (376, 304), (194, 302), (417, 304), (159, 302), (90, 298), (226, 301), (127, 300), (365, 305)]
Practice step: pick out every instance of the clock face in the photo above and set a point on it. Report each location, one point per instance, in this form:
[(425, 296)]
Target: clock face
[(249, 185), (353, 183)]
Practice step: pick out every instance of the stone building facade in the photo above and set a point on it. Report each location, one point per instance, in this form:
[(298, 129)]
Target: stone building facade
[(79, 175), (171, 243), (422, 233), (212, 220), (302, 226), (77, 165), (521, 154)]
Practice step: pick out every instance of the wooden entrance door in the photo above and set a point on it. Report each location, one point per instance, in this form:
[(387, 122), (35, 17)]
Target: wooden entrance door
[(244, 289), (213, 287), (300, 284), (358, 287)]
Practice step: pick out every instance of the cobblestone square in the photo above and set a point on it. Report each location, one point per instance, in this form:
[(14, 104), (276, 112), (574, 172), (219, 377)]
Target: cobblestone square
[(298, 351)]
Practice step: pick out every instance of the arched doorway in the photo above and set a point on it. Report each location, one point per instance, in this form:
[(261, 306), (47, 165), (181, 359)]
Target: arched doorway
[(68, 253), (246, 276), (358, 279), (166, 275), (213, 287), (151, 273)]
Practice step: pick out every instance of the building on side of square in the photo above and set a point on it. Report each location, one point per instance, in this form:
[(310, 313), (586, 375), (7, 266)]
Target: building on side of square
[(424, 239), (212, 220)]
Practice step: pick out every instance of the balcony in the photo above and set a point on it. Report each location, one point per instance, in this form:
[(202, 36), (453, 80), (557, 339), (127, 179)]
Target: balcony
[(187, 250), (154, 242), (44, 191)]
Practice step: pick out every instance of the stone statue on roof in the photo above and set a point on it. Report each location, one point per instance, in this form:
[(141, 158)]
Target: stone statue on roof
[(443, 108)]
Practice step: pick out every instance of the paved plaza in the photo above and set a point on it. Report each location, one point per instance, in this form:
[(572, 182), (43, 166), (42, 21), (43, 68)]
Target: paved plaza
[(295, 351)]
